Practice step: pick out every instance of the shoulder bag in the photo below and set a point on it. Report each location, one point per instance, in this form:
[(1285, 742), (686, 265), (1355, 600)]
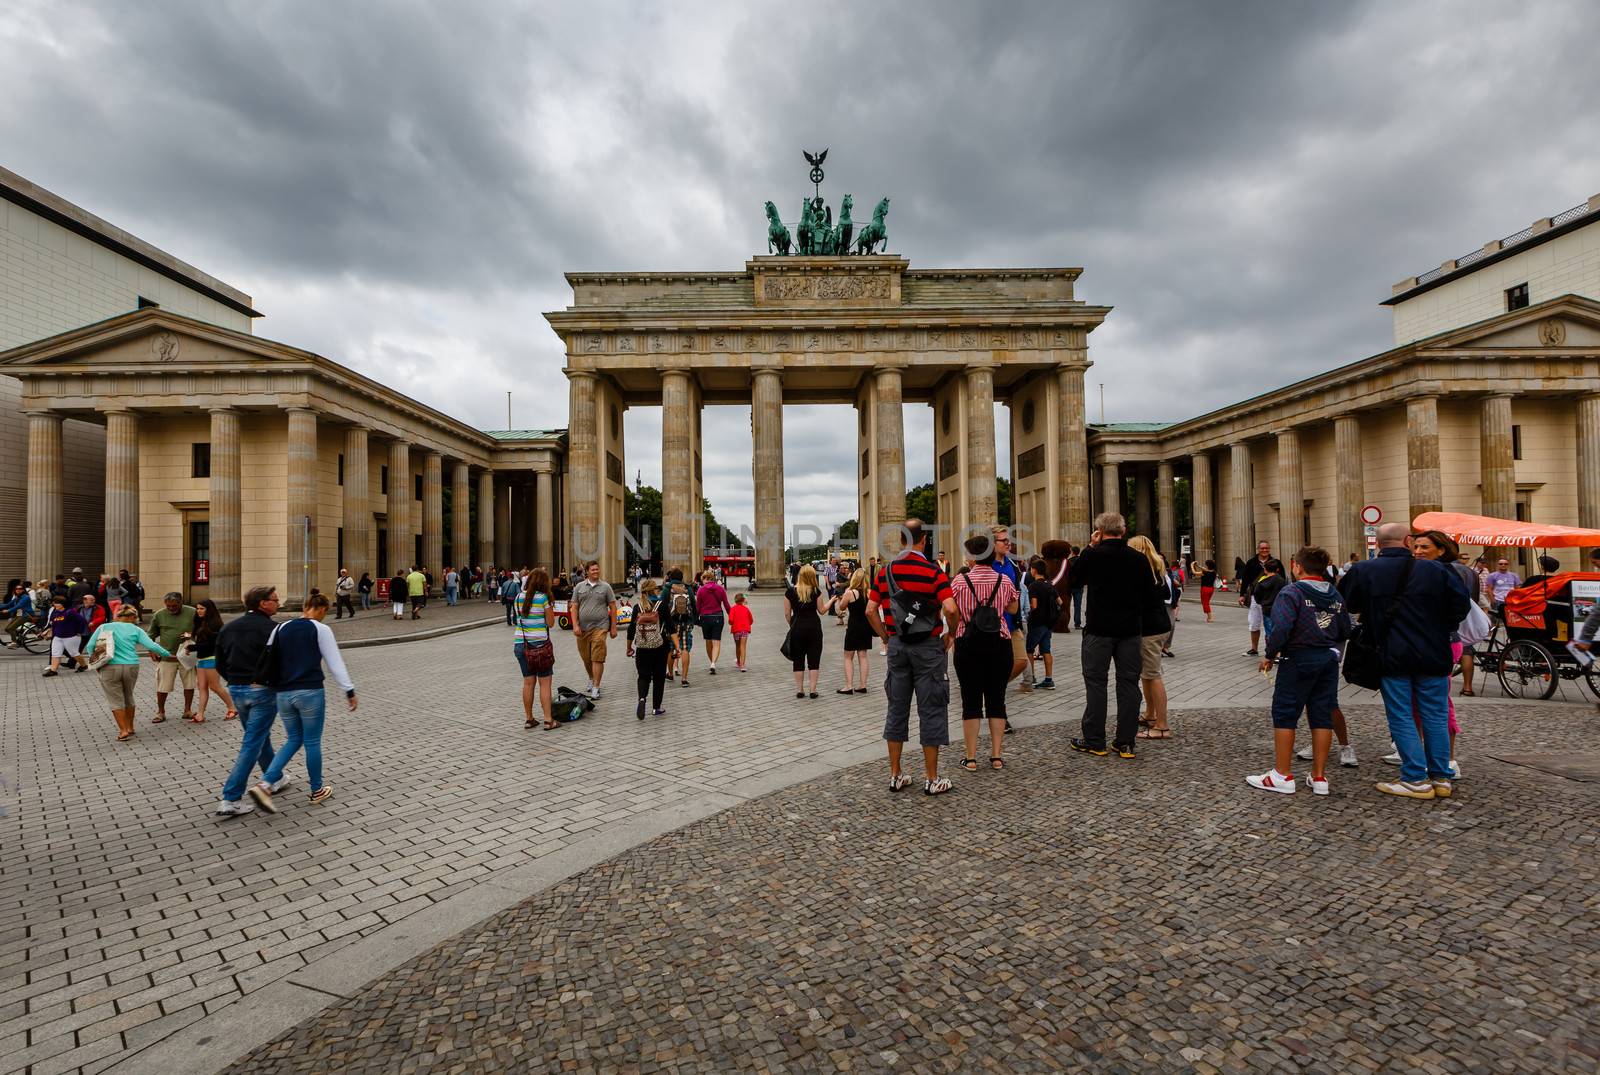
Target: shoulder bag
[(1363, 657), (915, 615)]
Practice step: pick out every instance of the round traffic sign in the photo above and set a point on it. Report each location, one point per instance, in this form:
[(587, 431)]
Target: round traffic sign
[(1371, 514)]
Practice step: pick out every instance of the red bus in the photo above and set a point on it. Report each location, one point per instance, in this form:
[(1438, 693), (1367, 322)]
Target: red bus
[(732, 566)]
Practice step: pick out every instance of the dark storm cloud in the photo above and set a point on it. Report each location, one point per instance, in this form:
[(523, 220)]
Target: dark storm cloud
[(400, 185)]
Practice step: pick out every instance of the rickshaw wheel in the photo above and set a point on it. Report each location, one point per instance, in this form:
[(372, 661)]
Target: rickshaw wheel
[(1527, 670)]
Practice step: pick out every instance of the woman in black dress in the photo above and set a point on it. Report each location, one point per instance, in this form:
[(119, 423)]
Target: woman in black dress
[(858, 636), (803, 606)]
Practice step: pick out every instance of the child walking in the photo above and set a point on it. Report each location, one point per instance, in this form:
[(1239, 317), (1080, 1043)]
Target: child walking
[(740, 620)]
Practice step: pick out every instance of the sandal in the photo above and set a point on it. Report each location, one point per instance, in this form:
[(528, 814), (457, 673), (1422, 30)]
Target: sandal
[(1155, 733), (158, 720), (548, 726), (124, 737), (969, 764), (1466, 692), (198, 719), (941, 786), (530, 722), (232, 714), (996, 764)]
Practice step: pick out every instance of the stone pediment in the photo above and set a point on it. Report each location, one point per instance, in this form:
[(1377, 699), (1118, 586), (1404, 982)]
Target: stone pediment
[(149, 338), (1569, 321), (831, 282)]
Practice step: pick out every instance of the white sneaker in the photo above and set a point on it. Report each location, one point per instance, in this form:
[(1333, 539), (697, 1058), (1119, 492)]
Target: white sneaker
[(594, 692), (1393, 758), (282, 783), (1455, 769), (1272, 780), (1318, 787), (229, 809), (262, 794), (1304, 753), (1347, 756)]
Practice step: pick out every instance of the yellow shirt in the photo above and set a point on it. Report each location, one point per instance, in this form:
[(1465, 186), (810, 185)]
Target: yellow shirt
[(416, 584)]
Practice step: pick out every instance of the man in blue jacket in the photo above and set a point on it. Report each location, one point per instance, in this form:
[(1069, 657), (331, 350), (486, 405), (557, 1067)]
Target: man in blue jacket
[(1428, 601)]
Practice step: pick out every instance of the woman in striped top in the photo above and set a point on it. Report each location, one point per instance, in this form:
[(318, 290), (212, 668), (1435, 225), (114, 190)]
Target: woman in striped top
[(535, 655)]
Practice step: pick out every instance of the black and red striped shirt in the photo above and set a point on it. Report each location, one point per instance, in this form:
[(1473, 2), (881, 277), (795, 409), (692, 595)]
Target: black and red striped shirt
[(915, 574)]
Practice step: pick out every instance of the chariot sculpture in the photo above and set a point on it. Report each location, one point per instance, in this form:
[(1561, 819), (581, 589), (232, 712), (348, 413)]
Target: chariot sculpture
[(816, 234)]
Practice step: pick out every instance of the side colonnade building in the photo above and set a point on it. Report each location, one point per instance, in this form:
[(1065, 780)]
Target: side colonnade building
[(231, 461)]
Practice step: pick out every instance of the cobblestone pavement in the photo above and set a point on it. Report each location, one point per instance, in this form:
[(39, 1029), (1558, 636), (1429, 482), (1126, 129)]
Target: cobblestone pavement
[(1057, 916), (138, 930)]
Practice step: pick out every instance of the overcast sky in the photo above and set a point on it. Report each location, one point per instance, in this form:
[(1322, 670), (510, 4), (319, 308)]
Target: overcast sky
[(400, 186)]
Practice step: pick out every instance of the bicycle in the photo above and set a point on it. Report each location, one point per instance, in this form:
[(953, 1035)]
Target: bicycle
[(30, 636), (1527, 668)]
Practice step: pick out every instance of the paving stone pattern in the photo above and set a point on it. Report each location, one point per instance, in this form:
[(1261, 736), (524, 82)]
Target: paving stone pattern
[(1068, 914), (129, 912)]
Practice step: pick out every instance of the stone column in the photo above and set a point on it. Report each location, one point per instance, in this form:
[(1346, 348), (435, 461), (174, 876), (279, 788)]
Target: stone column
[(1291, 496), (1141, 503), (544, 520), (1166, 511), (1422, 455), (1110, 488), (1498, 470), (1588, 461), (227, 588), (460, 514), (302, 506), (889, 456), (583, 464), (1200, 498), (1242, 532), (982, 496), (401, 552), (766, 431), (502, 523), (122, 491), (487, 509), (677, 470), (46, 535), (1072, 454), (433, 513), (1351, 487), (357, 502)]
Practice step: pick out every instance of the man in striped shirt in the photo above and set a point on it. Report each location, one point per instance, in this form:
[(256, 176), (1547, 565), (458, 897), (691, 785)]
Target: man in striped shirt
[(917, 652)]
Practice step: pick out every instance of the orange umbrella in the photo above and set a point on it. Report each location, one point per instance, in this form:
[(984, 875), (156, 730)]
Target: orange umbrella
[(1491, 532)]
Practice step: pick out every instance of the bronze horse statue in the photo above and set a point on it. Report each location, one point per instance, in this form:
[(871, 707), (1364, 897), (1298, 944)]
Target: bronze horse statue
[(806, 230), (874, 233), (778, 240), (840, 241)]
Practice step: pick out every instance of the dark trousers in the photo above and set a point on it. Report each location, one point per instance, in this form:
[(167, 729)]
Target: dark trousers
[(983, 668), (1099, 652), (343, 605), (1077, 608), (511, 606), (652, 666)]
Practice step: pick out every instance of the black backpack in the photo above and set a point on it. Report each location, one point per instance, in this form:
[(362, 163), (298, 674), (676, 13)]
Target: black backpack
[(915, 615), (985, 618)]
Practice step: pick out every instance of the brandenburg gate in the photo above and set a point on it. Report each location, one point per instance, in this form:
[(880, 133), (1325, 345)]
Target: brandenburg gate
[(862, 329)]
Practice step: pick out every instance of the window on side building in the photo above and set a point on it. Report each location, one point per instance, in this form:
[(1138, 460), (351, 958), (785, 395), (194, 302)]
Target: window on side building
[(1516, 297), (200, 461), (1516, 442), (383, 480)]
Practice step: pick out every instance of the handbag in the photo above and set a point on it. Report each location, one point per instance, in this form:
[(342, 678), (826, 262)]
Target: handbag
[(1363, 657), (103, 649), (188, 659), (1475, 626), (787, 649)]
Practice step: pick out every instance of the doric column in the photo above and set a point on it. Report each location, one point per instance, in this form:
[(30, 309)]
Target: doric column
[(1422, 455), (1110, 488), (889, 455), (433, 513), (1142, 512), (402, 553), (1166, 512), (1072, 453), (1588, 461), (1242, 531), (502, 522), (122, 491), (486, 517), (583, 463), (460, 515), (544, 519), (1200, 498), (1498, 468), (982, 496), (226, 587), (766, 431), (677, 470), (1291, 496), (357, 508), (45, 532), (302, 508), (1350, 485)]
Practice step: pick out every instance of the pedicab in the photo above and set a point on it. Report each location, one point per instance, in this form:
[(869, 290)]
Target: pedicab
[(563, 614), (1527, 649)]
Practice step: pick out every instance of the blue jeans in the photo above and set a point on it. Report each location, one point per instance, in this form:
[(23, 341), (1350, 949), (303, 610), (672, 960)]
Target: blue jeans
[(258, 708), (1077, 608), (450, 595), (302, 713), (1428, 757), (366, 600)]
